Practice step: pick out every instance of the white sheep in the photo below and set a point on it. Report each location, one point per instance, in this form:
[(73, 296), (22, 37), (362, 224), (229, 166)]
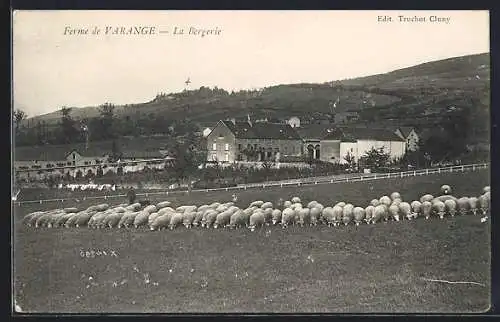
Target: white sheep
[(155, 215), (369, 213), (394, 212), (396, 202), (210, 218), (163, 204), (311, 204), (340, 204), (266, 205), (245, 219), (374, 202), (338, 213), (121, 209), (256, 220), (70, 210), (235, 221), (102, 207), (463, 205), (150, 209), (426, 197), (287, 217), (296, 206), (439, 208), (257, 203), (188, 218), (55, 218), (385, 200), (83, 219), (304, 216), (214, 205), (416, 209), (287, 204), (359, 215), (395, 195), (62, 220), (327, 215), (451, 207), (43, 220), (198, 216), (379, 214), (123, 219), (29, 217), (315, 214), (268, 215), (165, 210), (134, 207), (141, 219), (486, 189), (347, 214), (276, 216), (161, 222), (405, 210), (223, 219), (484, 202), (203, 207), (426, 209), (473, 205), (112, 219), (176, 220), (296, 200), (70, 222)]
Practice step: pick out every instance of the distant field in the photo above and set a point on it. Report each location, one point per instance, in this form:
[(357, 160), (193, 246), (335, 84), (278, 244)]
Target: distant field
[(376, 268)]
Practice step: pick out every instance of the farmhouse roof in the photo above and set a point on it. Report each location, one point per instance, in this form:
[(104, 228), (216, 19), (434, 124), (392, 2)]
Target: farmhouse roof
[(352, 134), (313, 131), (265, 130), (143, 154), (405, 130)]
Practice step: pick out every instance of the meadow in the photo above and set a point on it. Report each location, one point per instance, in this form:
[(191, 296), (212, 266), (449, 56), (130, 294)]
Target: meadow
[(355, 269)]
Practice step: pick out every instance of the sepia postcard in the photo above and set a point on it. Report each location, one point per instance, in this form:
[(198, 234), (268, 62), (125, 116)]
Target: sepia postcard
[(251, 162)]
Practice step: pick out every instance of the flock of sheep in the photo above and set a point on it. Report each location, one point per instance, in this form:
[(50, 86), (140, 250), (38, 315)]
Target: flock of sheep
[(259, 213)]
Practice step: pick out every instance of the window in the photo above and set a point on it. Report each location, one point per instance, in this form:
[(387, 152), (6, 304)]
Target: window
[(74, 156), (214, 146), (226, 147), (239, 147), (226, 157)]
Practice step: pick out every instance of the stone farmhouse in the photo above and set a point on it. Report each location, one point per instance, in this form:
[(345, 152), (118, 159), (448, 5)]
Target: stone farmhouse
[(232, 142), (410, 136)]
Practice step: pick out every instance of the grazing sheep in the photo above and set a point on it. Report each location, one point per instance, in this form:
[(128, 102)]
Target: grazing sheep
[(451, 207), (150, 209), (385, 200), (160, 222), (287, 204), (359, 215), (426, 209), (443, 198), (394, 212), (83, 219), (154, 215), (268, 216), (101, 207), (266, 205), (296, 200), (340, 204), (257, 203), (256, 220), (416, 209), (395, 195), (463, 205), (304, 216), (188, 218), (222, 220), (55, 218), (175, 220), (379, 214), (186, 208), (369, 213), (439, 208), (315, 214), (405, 210), (121, 209), (134, 207), (276, 216), (163, 204), (28, 218), (426, 197), (484, 202), (113, 219), (62, 220), (287, 217), (347, 214), (70, 210), (43, 220), (71, 221), (396, 202), (197, 217), (245, 219), (203, 207), (141, 219), (327, 215), (312, 204), (210, 218), (374, 202), (236, 220), (473, 205), (296, 206), (338, 213)]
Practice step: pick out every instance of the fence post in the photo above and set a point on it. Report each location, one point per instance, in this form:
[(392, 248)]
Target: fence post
[(414, 173), (462, 168), (473, 167), (331, 180), (401, 174), (426, 171), (439, 170)]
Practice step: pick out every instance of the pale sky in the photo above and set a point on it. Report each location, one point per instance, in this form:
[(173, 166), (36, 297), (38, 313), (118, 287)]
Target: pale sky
[(254, 49)]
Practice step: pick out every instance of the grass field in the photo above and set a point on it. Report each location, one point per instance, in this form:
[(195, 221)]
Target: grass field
[(375, 268)]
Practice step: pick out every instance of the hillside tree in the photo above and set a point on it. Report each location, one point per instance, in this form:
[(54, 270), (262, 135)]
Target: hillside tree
[(69, 131), (107, 112), (19, 116)]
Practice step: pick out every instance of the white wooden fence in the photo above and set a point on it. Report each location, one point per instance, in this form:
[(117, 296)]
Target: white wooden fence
[(294, 182)]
